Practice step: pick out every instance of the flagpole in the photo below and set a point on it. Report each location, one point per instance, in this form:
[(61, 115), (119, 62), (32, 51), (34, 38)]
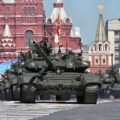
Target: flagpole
[(57, 32)]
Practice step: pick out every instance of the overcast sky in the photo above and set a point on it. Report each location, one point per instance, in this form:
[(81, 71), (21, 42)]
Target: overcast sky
[(84, 13)]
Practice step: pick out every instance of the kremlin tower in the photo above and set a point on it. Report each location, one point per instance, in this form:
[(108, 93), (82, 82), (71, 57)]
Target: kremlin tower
[(21, 22), (66, 37), (99, 51), (24, 21), (7, 45)]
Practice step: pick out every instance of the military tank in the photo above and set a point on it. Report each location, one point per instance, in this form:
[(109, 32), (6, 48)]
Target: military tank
[(110, 83), (62, 76), (27, 62), (11, 89), (10, 82), (11, 76), (32, 63)]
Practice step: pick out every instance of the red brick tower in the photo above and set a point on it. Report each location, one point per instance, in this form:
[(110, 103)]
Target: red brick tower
[(67, 37), (26, 19), (7, 45), (99, 52)]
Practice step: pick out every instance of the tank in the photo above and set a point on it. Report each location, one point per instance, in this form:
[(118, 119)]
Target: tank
[(11, 89), (10, 82), (28, 62), (62, 76), (110, 83)]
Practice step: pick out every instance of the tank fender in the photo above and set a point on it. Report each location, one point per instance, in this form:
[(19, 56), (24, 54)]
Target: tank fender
[(89, 79), (30, 80)]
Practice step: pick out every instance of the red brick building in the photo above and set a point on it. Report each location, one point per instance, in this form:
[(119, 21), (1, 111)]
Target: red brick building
[(99, 52), (22, 21)]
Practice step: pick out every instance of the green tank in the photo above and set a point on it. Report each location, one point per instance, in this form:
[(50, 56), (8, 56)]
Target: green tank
[(10, 82), (110, 83), (28, 62), (11, 89), (62, 76)]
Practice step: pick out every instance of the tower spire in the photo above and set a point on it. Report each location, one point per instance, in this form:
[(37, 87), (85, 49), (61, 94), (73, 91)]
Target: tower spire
[(100, 33), (58, 9), (100, 7), (7, 32), (7, 39), (58, 1)]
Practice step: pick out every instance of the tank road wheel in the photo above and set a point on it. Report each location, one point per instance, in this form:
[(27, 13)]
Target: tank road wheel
[(15, 92), (90, 98), (62, 97), (58, 98), (44, 97), (91, 95), (2, 95), (27, 93), (8, 94), (80, 99)]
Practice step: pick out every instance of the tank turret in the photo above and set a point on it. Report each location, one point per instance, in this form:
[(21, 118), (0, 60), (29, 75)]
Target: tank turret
[(32, 60), (67, 62)]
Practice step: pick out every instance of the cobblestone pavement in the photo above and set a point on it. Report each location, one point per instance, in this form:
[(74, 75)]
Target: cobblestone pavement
[(104, 110)]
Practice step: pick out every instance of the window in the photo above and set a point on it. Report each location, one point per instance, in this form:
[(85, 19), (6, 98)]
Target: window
[(104, 61), (29, 11), (117, 40), (116, 33), (96, 61), (100, 47), (33, 11), (29, 38), (25, 11), (95, 48), (106, 47), (7, 11)]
